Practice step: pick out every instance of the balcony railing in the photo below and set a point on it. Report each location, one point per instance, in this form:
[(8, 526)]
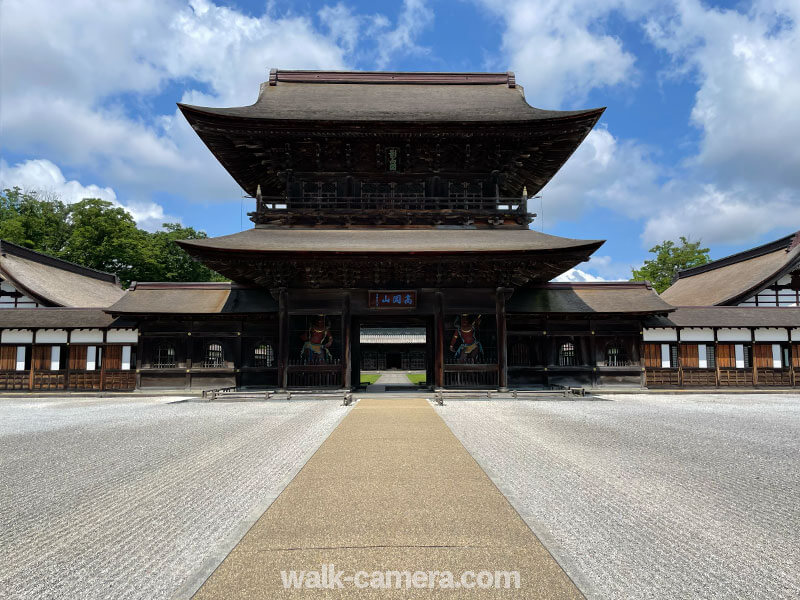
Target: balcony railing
[(392, 203)]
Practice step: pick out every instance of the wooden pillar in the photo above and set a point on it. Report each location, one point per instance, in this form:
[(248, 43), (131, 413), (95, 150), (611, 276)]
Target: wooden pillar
[(791, 362), (283, 337), (716, 356), (355, 357), (189, 347), (502, 340), (68, 359), (347, 325), (237, 357), (593, 353), (680, 356), (101, 352), (438, 361), (643, 382), (139, 353), (33, 359), (753, 356)]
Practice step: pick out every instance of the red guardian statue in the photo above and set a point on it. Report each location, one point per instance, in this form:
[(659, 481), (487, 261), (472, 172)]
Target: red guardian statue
[(465, 345), (317, 341)]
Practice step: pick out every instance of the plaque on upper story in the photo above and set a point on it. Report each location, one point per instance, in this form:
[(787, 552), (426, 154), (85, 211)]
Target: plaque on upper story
[(393, 299)]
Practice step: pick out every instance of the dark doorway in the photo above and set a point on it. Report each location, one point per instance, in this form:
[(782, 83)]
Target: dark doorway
[(393, 360), (397, 348)]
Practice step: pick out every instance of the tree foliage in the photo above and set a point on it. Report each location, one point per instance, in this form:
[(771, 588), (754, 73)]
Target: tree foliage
[(669, 259), (97, 234)]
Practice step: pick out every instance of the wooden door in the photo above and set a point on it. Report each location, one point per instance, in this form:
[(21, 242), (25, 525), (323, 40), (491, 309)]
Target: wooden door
[(762, 355), (652, 356), (77, 358), (112, 358), (726, 356), (690, 356), (8, 358), (41, 358)]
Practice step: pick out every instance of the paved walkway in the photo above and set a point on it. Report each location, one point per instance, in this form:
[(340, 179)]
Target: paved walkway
[(391, 489)]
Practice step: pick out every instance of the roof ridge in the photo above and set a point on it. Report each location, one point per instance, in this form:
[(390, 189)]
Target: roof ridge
[(787, 242), (389, 77)]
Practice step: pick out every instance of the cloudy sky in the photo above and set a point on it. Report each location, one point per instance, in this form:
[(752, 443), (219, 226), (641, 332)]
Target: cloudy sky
[(700, 137)]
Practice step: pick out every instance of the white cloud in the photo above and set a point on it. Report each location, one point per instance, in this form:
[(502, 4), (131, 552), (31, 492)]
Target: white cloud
[(619, 175), (718, 216), (558, 49), (748, 72), (744, 174), (44, 177), (83, 91), (743, 182)]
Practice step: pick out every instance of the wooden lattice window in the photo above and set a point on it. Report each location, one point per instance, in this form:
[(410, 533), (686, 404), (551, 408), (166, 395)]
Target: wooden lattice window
[(566, 355), (519, 354), (616, 355), (263, 355), (214, 356), (164, 357)]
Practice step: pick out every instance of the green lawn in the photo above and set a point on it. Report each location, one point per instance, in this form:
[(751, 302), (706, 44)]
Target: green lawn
[(369, 377), (416, 378)]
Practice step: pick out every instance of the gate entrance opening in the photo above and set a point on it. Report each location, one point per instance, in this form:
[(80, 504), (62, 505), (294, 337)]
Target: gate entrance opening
[(394, 352)]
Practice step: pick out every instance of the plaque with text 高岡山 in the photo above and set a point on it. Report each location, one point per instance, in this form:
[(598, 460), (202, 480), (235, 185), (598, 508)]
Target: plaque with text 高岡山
[(393, 299)]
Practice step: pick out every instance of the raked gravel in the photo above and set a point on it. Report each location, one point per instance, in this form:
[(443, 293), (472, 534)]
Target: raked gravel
[(126, 498), (652, 496)]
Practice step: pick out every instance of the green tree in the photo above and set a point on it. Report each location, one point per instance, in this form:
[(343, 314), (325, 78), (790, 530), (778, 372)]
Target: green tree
[(96, 233), (103, 236), (34, 220), (670, 258), (173, 263)]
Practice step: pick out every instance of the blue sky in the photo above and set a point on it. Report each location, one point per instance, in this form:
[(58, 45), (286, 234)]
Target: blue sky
[(699, 139)]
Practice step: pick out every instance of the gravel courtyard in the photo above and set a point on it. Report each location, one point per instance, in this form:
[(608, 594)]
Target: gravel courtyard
[(652, 496), (126, 498)]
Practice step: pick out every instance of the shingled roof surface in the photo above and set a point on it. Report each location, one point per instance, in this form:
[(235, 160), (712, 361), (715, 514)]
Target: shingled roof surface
[(389, 241), (588, 298), (193, 298), (54, 318), (370, 96), (736, 277), (56, 282), (729, 316)]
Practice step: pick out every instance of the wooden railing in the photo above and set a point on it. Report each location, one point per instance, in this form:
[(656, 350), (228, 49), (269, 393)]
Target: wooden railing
[(273, 204), (14, 380)]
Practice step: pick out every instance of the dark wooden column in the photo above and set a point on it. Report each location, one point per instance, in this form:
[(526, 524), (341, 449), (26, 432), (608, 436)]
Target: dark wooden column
[(502, 340), (68, 359), (283, 337), (33, 359), (593, 353), (237, 357), (438, 361), (101, 353), (139, 354), (347, 326), (188, 349)]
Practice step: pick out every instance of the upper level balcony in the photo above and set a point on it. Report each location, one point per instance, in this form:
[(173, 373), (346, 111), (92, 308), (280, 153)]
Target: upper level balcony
[(392, 211)]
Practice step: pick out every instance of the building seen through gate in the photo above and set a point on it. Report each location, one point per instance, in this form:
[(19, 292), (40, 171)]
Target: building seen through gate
[(394, 203)]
